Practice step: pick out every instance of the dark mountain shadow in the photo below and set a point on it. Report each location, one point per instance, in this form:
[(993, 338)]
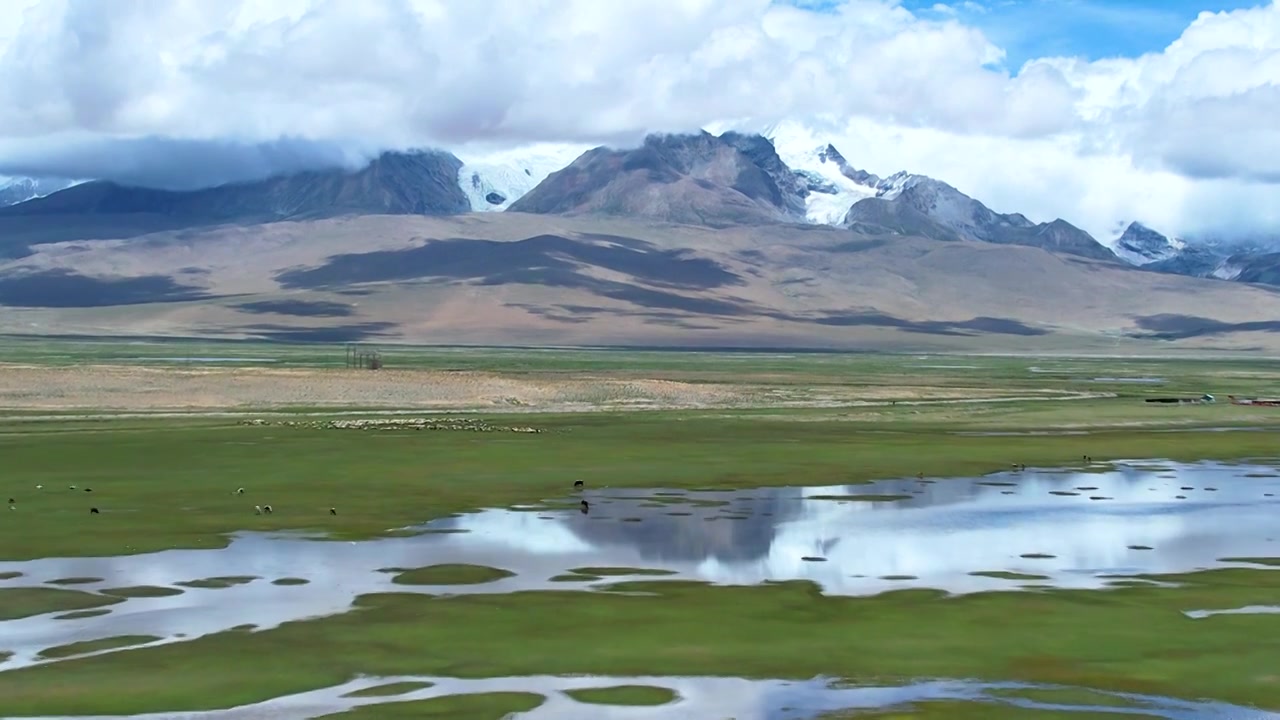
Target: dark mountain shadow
[(1178, 327), (299, 308), (65, 289)]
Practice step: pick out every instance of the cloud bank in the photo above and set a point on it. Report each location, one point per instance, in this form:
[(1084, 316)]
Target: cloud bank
[(182, 92)]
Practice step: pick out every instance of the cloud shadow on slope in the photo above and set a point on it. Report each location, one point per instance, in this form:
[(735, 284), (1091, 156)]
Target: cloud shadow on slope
[(20, 234), (555, 261), (1170, 326), (973, 326), (577, 314), (542, 259), (66, 289), (297, 308), (336, 334)]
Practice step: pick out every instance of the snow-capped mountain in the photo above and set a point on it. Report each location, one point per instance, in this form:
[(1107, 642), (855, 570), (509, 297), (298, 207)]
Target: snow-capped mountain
[(1140, 245), (14, 190), (784, 173), (909, 204), (833, 184), (495, 180), (1252, 259), (733, 178)]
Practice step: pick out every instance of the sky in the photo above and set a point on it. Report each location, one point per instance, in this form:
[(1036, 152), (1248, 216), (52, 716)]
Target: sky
[(1098, 112), (1091, 29)]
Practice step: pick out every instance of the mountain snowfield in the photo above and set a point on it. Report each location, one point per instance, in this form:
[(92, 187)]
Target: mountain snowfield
[(834, 186), (492, 181)]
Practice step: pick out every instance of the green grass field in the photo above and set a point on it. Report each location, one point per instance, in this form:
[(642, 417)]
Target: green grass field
[(169, 483), (1182, 372)]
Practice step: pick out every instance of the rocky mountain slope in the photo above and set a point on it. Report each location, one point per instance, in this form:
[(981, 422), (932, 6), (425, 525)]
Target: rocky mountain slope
[(732, 178), (906, 204), (701, 179), (419, 183)]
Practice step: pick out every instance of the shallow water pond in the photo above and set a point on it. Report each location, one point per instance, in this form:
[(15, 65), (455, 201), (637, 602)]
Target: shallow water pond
[(1015, 530), (715, 697)]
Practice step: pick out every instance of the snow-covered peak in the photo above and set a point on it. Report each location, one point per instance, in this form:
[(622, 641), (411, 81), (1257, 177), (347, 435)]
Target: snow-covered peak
[(832, 183), (1140, 245), (14, 190), (492, 181), (894, 185)]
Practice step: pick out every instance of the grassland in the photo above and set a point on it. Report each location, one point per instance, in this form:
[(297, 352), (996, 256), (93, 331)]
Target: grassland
[(483, 705), (164, 482), (623, 695), (450, 575), (18, 603)]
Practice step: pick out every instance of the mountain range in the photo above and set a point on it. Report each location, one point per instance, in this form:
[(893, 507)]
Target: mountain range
[(732, 238), (717, 181)]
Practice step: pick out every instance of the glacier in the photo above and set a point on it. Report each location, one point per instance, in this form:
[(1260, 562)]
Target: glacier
[(492, 181)]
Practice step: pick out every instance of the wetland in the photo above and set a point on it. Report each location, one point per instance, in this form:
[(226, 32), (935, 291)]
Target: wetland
[(680, 698), (1013, 531), (1046, 559)]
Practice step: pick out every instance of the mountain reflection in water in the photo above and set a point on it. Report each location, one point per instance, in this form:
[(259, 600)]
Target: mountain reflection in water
[(936, 537)]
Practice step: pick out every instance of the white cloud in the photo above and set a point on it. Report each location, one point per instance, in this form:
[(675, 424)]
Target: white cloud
[(1183, 138)]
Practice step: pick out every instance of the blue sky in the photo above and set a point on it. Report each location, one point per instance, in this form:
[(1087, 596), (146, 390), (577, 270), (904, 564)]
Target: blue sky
[(1093, 29)]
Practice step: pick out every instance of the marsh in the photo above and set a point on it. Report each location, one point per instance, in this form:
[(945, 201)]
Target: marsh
[(1012, 531)]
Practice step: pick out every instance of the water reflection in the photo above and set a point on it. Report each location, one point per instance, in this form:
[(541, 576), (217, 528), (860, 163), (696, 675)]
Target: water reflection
[(711, 697), (936, 536), (1246, 610)]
